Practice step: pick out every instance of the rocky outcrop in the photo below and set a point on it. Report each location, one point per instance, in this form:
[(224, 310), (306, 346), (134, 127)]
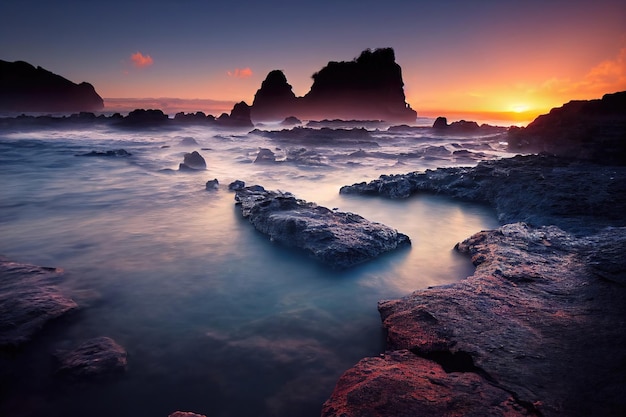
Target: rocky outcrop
[(185, 414), (369, 87), (538, 189), (29, 298), (239, 117), (275, 100), (538, 325), (24, 88), (96, 358), (141, 118), (192, 161), (337, 239), (591, 130)]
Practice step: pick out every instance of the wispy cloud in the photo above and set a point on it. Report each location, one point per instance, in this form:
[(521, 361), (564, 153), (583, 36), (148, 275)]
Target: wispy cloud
[(140, 60), (240, 73)]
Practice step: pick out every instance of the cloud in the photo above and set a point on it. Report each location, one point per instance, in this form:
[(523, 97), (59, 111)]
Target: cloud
[(240, 73), (140, 60)]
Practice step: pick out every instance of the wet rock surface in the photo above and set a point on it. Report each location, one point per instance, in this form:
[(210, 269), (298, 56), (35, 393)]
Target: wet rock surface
[(95, 358), (538, 328), (192, 162), (337, 239), (29, 298), (577, 196)]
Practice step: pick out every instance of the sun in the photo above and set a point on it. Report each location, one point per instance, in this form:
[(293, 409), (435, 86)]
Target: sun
[(519, 108)]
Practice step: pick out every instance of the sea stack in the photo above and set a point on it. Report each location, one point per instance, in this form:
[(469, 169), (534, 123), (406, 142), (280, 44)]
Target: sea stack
[(369, 87)]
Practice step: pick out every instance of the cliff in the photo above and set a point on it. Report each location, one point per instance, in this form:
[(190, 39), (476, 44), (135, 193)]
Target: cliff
[(590, 130), (24, 88), (369, 87)]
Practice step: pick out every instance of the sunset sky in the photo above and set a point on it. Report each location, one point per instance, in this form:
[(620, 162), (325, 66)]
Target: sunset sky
[(456, 56)]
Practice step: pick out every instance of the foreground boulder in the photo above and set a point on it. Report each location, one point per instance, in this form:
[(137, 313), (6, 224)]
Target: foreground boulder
[(192, 161), (96, 358), (29, 298), (536, 330), (337, 239), (578, 196)]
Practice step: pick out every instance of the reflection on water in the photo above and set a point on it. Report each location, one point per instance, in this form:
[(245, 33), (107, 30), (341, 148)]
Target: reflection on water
[(215, 318)]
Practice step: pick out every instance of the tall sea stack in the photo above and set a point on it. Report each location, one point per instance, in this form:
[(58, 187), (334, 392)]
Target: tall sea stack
[(369, 87)]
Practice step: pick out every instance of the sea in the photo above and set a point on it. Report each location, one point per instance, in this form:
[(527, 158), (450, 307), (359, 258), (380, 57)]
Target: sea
[(216, 318)]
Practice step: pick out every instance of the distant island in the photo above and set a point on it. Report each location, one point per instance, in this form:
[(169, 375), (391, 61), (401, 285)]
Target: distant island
[(369, 87), (24, 88)]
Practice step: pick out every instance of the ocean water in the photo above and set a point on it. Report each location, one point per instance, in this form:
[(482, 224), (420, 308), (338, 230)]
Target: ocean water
[(216, 319)]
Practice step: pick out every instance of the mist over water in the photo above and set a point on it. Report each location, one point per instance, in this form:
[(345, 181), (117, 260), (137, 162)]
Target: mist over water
[(216, 319)]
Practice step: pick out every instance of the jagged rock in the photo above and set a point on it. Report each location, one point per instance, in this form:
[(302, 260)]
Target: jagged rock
[(440, 123), (212, 184), (265, 156), (95, 358), (400, 383), (111, 153), (188, 141), (192, 161), (535, 319), (275, 99), (26, 88), (236, 185), (239, 117), (537, 189), (592, 130), (337, 239), (291, 121), (368, 88), (29, 299)]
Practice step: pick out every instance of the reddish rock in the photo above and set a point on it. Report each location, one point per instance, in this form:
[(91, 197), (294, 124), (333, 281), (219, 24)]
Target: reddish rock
[(401, 383), (185, 414)]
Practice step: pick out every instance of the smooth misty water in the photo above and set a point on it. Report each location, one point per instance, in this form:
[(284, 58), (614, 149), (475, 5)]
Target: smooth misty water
[(216, 319)]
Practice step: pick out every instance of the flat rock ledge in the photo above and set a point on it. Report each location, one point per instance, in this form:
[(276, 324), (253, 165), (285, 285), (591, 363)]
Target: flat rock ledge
[(579, 197), (537, 330), (29, 298), (337, 239)]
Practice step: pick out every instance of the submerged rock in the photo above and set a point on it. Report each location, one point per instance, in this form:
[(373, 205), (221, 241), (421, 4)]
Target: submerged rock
[(236, 185), (29, 299), (111, 153), (95, 358), (337, 239), (538, 325), (265, 156), (192, 161), (212, 184)]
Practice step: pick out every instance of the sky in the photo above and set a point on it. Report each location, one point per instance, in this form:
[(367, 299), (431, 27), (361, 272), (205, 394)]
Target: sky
[(517, 58)]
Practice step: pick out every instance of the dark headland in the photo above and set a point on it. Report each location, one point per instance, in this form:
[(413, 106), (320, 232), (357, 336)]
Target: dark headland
[(24, 88)]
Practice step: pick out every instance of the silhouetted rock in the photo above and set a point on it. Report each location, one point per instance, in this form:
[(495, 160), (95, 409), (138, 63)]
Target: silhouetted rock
[(291, 121), (368, 88), (239, 117), (440, 123), (192, 161), (26, 88), (337, 239), (275, 99), (144, 118), (96, 358), (591, 130), (193, 118), (29, 298), (536, 189)]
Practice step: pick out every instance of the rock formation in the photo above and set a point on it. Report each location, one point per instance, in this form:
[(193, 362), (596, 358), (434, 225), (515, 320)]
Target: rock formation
[(537, 189), (368, 88), (591, 130), (537, 330), (24, 88), (192, 161), (337, 239), (29, 299), (96, 358)]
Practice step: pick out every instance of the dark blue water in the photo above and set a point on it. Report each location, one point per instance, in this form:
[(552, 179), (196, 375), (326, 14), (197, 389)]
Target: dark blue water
[(216, 319)]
